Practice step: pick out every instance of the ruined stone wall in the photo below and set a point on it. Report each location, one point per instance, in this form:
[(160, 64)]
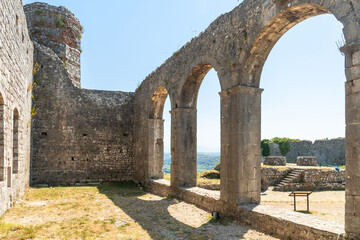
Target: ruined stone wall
[(272, 175), (79, 135), (58, 29), (317, 179), (328, 152), (16, 64)]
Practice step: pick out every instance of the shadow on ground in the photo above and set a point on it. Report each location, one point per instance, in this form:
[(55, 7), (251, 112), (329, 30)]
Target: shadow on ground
[(165, 218)]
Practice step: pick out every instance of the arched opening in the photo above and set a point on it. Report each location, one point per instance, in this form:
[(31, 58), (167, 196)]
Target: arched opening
[(156, 134), (208, 132), (2, 140), (303, 99), (185, 128), (15, 162)]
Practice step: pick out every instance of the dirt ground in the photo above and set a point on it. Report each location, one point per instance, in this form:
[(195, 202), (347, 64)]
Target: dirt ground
[(115, 211), (329, 205)]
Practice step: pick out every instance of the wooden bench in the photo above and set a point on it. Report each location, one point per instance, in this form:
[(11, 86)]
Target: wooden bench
[(300, 194)]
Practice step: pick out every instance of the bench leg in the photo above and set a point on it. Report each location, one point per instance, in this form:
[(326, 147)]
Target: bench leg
[(294, 203)]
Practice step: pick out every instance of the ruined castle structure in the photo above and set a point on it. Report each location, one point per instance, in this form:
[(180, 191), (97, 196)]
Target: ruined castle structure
[(16, 64), (79, 135), (86, 136)]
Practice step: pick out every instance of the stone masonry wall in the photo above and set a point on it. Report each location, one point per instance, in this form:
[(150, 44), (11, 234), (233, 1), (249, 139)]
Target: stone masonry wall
[(317, 179), (79, 135), (328, 152), (16, 63), (58, 29)]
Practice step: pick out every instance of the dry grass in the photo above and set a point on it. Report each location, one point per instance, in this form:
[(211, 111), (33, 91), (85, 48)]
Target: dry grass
[(112, 211), (199, 181)]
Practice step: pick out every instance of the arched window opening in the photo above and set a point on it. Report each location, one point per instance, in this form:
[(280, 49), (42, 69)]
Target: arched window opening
[(2, 140), (15, 149), (303, 81), (156, 134)]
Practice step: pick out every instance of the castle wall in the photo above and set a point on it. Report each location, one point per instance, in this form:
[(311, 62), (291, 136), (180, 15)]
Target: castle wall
[(16, 58), (79, 135), (328, 152)]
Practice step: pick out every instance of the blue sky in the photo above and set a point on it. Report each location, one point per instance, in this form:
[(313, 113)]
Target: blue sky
[(303, 78)]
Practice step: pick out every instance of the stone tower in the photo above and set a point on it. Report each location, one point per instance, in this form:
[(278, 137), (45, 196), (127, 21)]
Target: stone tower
[(58, 29)]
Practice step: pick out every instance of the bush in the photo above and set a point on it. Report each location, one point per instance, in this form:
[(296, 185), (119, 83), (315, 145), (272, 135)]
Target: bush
[(211, 174), (265, 147), (283, 143)]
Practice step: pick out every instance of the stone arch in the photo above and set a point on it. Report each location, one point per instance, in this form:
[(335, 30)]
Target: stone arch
[(2, 139), (276, 27), (157, 103), (15, 148), (184, 128), (267, 36), (156, 133), (190, 88)]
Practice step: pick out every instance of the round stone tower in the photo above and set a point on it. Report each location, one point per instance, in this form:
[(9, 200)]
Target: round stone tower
[(58, 29)]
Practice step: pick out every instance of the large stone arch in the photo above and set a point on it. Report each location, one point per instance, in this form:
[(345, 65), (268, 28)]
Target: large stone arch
[(184, 127), (237, 45), (270, 28), (277, 22)]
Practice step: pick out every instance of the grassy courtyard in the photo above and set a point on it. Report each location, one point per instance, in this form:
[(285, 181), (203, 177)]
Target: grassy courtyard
[(112, 211)]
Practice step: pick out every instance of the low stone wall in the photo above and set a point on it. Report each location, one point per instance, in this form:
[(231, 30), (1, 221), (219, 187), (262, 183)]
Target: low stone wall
[(277, 222), (318, 179), (270, 176), (306, 161), (275, 161)]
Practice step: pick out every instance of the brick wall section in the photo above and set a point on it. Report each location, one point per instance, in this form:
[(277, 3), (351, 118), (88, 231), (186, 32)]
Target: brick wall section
[(16, 54)]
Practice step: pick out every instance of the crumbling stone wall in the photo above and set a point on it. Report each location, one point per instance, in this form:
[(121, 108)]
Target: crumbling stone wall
[(328, 152), (16, 64), (79, 135), (58, 29)]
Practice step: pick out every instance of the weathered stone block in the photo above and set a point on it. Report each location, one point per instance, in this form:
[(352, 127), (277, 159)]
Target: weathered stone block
[(275, 160), (306, 161), (356, 58), (352, 73)]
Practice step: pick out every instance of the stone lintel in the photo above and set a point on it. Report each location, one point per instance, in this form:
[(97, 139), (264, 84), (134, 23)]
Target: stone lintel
[(242, 89), (176, 110), (350, 48)]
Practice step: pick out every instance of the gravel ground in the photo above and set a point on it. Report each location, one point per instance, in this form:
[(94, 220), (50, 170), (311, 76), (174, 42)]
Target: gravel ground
[(329, 205)]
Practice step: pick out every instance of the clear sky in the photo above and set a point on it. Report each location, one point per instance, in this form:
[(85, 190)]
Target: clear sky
[(303, 78)]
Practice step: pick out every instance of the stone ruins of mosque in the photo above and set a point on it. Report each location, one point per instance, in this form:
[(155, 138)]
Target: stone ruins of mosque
[(82, 136)]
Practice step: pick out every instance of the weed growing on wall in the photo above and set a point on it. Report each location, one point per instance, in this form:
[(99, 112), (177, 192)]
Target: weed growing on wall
[(59, 21)]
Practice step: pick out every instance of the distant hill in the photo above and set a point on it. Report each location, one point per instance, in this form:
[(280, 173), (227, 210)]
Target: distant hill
[(205, 161)]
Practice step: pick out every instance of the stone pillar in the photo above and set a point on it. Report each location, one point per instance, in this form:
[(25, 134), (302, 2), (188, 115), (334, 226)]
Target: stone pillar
[(352, 147), (240, 145), (156, 148), (183, 147)]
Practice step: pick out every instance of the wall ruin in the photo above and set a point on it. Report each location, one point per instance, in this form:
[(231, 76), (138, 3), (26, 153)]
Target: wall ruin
[(79, 135), (84, 135), (16, 64)]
